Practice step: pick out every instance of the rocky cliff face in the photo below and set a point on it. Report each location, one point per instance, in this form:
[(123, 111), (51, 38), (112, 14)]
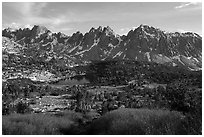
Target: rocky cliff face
[(145, 43)]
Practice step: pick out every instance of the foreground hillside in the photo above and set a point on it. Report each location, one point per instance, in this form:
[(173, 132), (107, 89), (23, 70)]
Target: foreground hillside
[(118, 122)]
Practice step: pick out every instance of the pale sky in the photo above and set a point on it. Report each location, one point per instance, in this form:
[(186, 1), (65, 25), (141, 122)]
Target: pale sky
[(69, 17)]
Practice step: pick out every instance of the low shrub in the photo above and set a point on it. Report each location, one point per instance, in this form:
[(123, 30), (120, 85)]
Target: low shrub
[(22, 107), (34, 124), (139, 122), (72, 115), (82, 120)]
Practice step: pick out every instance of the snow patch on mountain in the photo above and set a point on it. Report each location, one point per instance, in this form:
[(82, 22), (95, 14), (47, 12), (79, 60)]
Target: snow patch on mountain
[(95, 43), (178, 58), (174, 64), (118, 54), (111, 45), (148, 56), (70, 51), (124, 56)]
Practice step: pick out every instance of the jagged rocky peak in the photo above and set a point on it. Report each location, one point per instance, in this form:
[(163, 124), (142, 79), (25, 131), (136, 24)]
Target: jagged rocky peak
[(9, 29), (191, 34), (93, 30), (147, 28), (76, 37), (62, 35), (99, 28), (143, 26), (26, 29), (109, 31), (130, 33), (184, 34), (38, 30), (78, 33)]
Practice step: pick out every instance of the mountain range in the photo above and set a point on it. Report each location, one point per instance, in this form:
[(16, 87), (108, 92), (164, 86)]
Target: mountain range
[(145, 43)]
